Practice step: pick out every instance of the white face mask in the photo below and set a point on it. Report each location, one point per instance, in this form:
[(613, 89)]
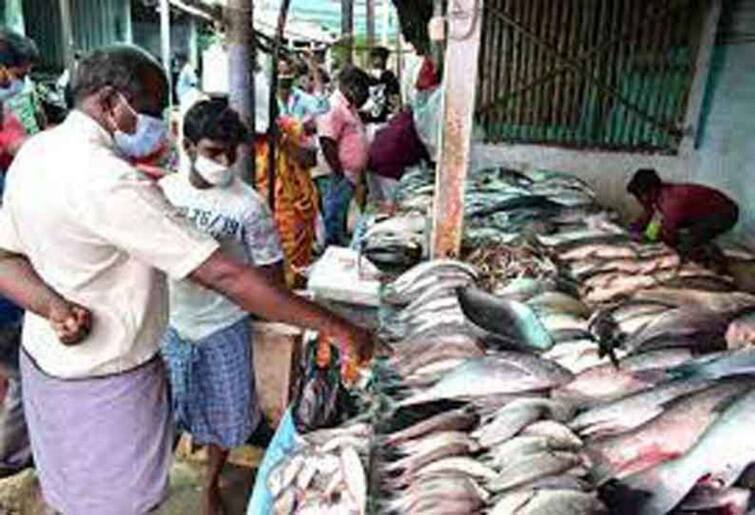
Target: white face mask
[(151, 134), (213, 172), (15, 87)]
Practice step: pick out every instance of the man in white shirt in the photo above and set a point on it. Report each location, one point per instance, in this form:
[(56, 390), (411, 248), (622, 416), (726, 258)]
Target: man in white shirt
[(105, 237), (207, 347)]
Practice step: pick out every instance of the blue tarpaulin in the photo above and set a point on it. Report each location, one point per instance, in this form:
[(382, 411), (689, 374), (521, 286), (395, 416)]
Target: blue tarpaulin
[(282, 444)]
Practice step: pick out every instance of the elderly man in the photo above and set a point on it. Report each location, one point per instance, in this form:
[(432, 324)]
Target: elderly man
[(105, 237)]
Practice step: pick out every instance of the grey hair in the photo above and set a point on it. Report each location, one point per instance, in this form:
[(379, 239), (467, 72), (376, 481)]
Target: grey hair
[(122, 67)]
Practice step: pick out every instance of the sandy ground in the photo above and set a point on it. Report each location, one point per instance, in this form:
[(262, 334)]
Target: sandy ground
[(20, 494)]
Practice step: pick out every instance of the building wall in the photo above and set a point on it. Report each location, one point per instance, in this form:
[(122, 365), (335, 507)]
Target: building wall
[(726, 147), (724, 156)]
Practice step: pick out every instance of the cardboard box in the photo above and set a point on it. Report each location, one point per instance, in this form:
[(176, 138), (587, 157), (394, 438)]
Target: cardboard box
[(276, 350)]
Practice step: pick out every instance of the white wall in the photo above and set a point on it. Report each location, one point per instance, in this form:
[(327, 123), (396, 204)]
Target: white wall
[(724, 157)]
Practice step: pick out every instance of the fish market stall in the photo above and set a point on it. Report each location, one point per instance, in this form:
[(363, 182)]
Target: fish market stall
[(556, 367)]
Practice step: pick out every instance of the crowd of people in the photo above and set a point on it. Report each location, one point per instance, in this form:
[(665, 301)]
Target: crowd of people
[(129, 281)]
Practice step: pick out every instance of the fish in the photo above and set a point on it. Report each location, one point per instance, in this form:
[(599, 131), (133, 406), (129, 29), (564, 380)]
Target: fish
[(284, 474), (448, 488), (599, 251), (559, 321), (719, 457), (285, 503), (354, 476), (621, 416), (430, 269), (456, 464), (407, 361), (606, 382), (533, 466), (668, 436), (432, 448), (558, 302), (461, 419), (560, 434), (549, 502), (503, 373), (718, 365), (524, 288), (587, 270), (507, 318), (732, 501), (675, 323), (505, 452), (618, 284), (741, 330), (433, 294), (518, 414)]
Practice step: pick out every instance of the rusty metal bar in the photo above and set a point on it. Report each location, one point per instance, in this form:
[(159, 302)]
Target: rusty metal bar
[(462, 61)]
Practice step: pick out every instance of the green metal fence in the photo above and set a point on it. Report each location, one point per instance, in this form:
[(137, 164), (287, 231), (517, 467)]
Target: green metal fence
[(609, 74)]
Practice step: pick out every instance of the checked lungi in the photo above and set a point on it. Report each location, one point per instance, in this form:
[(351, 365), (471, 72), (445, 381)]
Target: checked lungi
[(101, 445), (212, 387)]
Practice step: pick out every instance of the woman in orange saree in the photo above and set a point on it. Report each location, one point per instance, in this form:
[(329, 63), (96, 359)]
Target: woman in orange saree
[(296, 198)]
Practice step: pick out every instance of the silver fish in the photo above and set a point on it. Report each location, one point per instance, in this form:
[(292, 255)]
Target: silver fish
[(605, 382), (524, 445), (557, 302), (530, 467), (518, 414), (634, 410), (549, 502), (505, 372), (720, 456), (555, 432), (456, 420)]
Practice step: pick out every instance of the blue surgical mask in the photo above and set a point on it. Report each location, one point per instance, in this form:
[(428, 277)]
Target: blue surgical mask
[(149, 136), (15, 87)]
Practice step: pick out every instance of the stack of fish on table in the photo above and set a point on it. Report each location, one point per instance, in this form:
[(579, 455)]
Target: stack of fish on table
[(324, 473), (468, 424)]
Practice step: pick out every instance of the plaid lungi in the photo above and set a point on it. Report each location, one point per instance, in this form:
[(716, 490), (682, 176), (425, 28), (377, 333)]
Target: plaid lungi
[(212, 387)]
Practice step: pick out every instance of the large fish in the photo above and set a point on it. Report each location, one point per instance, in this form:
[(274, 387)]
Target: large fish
[(623, 415), (720, 456), (509, 319), (518, 414), (549, 502), (667, 436), (447, 488), (680, 323), (530, 467), (462, 419), (606, 382), (524, 445), (714, 301), (717, 366), (505, 372)]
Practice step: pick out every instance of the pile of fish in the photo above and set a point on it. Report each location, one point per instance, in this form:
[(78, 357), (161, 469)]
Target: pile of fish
[(468, 424), (325, 473), (563, 369), (504, 206)]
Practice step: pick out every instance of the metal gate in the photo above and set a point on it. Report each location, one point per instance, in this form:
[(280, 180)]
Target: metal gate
[(610, 74)]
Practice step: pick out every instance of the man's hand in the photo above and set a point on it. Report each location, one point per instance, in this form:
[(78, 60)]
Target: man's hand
[(359, 341), (71, 322)]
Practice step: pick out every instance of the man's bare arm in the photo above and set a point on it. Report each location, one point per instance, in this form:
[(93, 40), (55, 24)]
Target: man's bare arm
[(20, 283), (254, 292)]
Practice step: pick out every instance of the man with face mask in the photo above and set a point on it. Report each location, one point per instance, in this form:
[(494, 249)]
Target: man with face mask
[(106, 237), (207, 347), (385, 89), (17, 56)]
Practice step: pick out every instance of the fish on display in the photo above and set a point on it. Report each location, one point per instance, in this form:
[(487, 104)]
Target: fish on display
[(638, 372), (518, 414), (632, 411), (671, 434), (504, 372), (546, 501), (718, 458), (507, 318)]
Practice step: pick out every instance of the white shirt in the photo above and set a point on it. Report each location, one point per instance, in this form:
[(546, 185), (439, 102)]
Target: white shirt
[(241, 222), (102, 235)]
